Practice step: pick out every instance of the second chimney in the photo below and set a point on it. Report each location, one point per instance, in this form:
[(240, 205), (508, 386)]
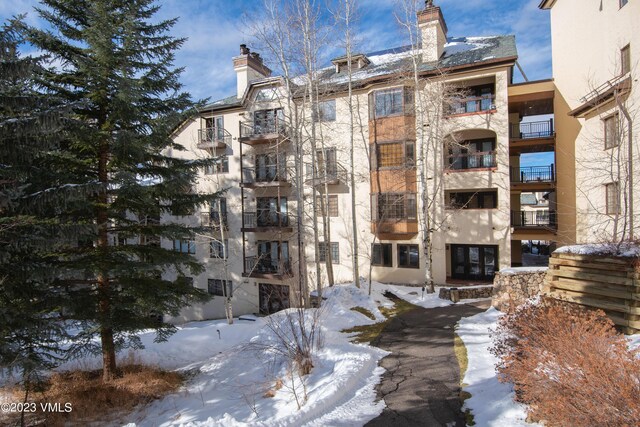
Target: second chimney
[(433, 32), (248, 66)]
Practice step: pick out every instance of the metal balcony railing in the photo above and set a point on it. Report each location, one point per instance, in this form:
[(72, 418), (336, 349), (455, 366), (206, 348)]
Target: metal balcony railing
[(213, 219), (538, 218), (474, 104), (529, 130), (262, 128), (472, 160), (213, 138), (264, 264), (333, 172), (279, 173), (533, 174), (265, 219)]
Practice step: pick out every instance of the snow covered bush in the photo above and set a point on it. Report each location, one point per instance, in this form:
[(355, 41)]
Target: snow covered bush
[(569, 365)]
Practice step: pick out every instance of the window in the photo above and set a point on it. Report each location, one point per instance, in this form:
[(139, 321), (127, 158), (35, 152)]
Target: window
[(623, 2), (335, 252), (474, 99), (390, 102), (218, 250), (393, 206), (611, 132), (220, 287), (185, 280), (408, 256), (381, 254), (473, 200), (219, 165), (184, 246), (613, 198), (218, 212), (396, 154), (214, 129), (474, 154), (325, 112), (331, 205), (625, 59)]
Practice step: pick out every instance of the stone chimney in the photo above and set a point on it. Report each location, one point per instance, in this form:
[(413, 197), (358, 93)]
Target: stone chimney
[(248, 66), (433, 31)]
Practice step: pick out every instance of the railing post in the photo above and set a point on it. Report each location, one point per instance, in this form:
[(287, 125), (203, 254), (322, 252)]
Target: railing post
[(551, 168)]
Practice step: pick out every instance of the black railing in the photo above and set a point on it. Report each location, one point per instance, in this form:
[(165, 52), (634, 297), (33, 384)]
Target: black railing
[(261, 128), (208, 137), (474, 104), (265, 174), (472, 160), (214, 219), (538, 218), (332, 172), (529, 130), (264, 264), (533, 174), (265, 218)]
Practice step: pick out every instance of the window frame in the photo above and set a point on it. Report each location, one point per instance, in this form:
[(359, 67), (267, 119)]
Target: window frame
[(179, 246), (409, 207), (379, 256), (625, 59), (615, 119), (470, 196), (319, 113), (408, 248), (404, 158), (218, 287), (332, 209), (406, 106), (219, 249), (610, 203), (334, 248)]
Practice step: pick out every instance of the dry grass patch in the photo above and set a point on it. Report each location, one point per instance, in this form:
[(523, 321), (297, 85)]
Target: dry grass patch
[(92, 400), (368, 333), (364, 311), (463, 361)]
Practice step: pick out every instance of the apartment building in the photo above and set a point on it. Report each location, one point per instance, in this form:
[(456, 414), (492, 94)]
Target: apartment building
[(596, 48), (257, 241)]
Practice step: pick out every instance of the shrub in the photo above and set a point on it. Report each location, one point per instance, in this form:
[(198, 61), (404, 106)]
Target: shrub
[(569, 365)]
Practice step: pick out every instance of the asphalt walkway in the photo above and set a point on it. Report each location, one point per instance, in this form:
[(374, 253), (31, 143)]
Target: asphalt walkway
[(422, 384)]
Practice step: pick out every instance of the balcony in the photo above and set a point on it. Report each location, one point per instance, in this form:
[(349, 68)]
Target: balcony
[(264, 266), (264, 221), (269, 176), (533, 178), (534, 219), (469, 161), (532, 130), (213, 138), (471, 105), (260, 132), (333, 174), (214, 220), (606, 92)]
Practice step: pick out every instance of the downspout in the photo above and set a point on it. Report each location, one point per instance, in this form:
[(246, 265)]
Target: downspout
[(630, 154)]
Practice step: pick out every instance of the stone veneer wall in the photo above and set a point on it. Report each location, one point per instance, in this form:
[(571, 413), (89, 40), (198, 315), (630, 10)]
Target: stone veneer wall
[(514, 286), (467, 292)]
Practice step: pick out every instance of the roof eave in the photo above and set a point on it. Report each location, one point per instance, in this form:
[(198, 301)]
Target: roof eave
[(546, 4)]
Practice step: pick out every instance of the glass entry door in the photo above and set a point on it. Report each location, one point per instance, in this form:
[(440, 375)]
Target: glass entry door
[(474, 262)]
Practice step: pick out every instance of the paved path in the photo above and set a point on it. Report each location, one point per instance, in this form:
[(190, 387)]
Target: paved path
[(422, 384)]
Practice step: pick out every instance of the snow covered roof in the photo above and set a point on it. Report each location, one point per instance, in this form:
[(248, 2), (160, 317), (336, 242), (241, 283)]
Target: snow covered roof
[(627, 250), (458, 52)]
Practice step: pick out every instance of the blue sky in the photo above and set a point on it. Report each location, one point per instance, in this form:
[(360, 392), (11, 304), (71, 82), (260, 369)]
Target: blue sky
[(214, 29)]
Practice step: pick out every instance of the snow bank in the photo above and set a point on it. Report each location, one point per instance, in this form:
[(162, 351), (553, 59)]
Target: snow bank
[(627, 250), (517, 270), (491, 401)]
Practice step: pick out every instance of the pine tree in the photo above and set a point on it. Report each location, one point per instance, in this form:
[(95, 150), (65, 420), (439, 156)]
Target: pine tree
[(121, 169), (30, 126)]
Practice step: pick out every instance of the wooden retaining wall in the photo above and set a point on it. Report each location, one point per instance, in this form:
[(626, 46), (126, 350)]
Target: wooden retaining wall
[(609, 283)]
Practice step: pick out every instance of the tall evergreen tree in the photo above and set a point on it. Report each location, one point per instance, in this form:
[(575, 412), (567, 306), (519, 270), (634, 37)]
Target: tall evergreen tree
[(119, 165), (30, 127)]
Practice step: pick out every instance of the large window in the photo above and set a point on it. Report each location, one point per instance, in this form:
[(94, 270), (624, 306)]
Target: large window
[(390, 102), (613, 198), (334, 248), (472, 200), (330, 205), (395, 154), (184, 246), (394, 207), (473, 154), (325, 111), (218, 212), (218, 250), (219, 165), (381, 254), (611, 132), (408, 256), (220, 287), (625, 59), (474, 99)]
